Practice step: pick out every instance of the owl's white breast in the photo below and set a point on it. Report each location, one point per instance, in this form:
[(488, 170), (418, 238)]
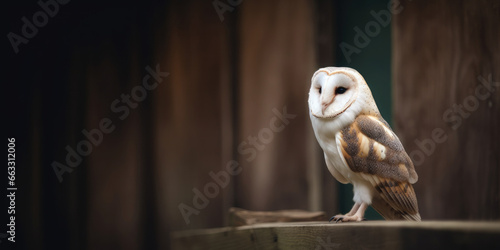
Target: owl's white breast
[(327, 132)]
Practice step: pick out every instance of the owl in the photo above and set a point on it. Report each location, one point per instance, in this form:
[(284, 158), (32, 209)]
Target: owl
[(360, 147)]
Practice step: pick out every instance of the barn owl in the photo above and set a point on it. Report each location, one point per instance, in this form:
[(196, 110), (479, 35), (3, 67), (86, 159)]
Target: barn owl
[(360, 147)]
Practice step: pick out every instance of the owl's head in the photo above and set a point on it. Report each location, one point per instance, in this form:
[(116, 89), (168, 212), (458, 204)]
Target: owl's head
[(336, 90)]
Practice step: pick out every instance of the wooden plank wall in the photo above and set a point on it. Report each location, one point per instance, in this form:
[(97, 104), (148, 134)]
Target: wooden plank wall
[(277, 59), (114, 168), (443, 52), (189, 116), (227, 81)]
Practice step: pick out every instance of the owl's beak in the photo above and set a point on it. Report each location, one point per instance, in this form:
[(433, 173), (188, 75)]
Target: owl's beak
[(325, 105)]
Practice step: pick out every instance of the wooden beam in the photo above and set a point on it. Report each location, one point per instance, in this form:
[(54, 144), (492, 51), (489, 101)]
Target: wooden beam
[(362, 235)]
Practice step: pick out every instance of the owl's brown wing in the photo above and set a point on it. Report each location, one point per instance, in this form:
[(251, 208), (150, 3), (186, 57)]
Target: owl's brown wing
[(373, 151)]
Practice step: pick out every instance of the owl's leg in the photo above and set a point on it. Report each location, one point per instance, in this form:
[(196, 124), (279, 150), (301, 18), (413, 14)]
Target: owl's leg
[(356, 214), (354, 209)]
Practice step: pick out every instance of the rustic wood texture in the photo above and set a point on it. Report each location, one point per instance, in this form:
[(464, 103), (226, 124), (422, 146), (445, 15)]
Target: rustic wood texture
[(440, 51), (277, 59), (226, 78), (240, 217), (362, 235), (190, 120), (112, 169)]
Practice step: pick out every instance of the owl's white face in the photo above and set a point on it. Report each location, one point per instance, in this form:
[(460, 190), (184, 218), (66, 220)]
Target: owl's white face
[(332, 92)]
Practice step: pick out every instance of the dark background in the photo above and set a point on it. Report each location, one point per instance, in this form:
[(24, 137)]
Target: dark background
[(225, 79)]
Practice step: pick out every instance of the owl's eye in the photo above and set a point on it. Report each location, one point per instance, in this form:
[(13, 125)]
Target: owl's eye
[(319, 89), (340, 90)]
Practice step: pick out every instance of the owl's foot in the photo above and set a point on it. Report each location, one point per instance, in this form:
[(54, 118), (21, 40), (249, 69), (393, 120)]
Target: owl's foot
[(346, 218), (356, 214)]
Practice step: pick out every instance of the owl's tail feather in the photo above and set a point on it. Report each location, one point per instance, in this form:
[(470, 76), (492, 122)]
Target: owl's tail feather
[(390, 213)]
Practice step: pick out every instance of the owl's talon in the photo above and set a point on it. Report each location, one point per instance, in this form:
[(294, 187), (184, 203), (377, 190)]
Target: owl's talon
[(336, 218), (346, 218)]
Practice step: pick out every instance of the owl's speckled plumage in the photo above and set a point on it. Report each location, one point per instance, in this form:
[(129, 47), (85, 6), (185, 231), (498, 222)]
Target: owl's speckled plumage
[(360, 147)]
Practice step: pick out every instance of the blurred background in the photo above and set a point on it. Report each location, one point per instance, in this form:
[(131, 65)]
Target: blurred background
[(235, 95)]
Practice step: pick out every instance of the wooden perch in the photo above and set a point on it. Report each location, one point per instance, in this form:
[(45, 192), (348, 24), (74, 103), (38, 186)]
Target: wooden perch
[(241, 217), (352, 235)]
